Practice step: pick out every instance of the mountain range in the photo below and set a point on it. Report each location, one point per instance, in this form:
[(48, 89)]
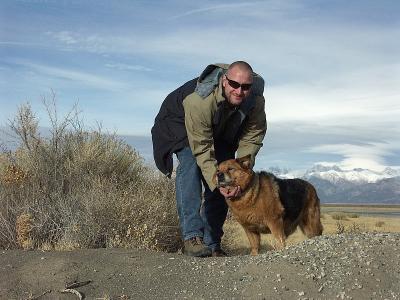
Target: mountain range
[(357, 186)]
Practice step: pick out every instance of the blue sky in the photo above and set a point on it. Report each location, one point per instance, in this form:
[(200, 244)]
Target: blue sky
[(332, 68)]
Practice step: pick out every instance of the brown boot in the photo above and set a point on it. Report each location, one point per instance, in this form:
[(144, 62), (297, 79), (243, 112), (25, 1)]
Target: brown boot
[(218, 253), (195, 247)]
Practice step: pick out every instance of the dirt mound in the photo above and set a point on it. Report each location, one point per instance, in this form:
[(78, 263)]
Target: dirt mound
[(348, 266)]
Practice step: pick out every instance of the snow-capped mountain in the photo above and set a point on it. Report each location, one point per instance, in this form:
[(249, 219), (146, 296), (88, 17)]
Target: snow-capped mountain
[(335, 185), (335, 174)]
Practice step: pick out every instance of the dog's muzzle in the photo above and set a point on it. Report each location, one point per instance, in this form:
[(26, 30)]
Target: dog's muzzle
[(220, 177), (222, 180)]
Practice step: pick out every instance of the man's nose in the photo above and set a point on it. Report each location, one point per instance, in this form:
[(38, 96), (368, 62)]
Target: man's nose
[(239, 90)]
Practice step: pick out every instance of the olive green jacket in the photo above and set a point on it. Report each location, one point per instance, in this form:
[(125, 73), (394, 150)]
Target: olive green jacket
[(199, 113)]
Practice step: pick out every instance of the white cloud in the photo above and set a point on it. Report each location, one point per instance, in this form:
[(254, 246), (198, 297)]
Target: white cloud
[(368, 155), (358, 97)]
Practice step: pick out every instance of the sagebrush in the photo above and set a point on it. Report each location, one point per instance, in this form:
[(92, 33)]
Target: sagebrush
[(77, 188)]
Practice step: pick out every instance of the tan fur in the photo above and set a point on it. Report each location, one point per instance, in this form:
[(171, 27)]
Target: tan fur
[(261, 206)]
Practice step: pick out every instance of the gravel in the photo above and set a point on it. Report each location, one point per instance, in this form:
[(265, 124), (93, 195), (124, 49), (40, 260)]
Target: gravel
[(346, 266)]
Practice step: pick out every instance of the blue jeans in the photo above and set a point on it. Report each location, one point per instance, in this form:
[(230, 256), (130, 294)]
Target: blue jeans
[(196, 219)]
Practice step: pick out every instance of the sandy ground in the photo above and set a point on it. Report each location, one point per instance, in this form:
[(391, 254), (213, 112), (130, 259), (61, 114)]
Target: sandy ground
[(347, 266)]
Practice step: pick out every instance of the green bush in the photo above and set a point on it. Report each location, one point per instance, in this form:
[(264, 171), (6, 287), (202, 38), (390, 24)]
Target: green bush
[(81, 189)]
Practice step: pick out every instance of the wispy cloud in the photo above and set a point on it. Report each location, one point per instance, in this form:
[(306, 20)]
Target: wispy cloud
[(215, 8), (76, 41), (66, 37), (79, 77), (24, 45), (254, 9), (127, 67)]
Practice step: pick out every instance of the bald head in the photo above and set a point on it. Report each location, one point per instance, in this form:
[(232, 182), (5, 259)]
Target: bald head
[(241, 65)]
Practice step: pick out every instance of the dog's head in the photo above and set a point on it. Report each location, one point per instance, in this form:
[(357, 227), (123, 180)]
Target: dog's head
[(234, 172)]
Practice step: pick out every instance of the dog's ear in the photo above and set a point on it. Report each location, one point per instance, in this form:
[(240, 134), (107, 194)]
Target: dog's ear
[(245, 161)]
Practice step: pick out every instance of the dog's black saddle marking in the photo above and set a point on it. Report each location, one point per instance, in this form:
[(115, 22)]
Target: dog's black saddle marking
[(292, 193)]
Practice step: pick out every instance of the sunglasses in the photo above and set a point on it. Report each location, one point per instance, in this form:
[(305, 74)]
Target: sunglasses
[(236, 85)]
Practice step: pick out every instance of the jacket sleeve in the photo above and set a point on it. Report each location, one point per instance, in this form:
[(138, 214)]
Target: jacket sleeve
[(254, 131), (198, 122)]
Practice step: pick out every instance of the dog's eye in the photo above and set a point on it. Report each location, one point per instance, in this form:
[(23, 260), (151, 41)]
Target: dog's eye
[(231, 169)]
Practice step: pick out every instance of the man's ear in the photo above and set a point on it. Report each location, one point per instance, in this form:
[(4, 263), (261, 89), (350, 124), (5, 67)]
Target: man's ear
[(245, 161), (223, 80)]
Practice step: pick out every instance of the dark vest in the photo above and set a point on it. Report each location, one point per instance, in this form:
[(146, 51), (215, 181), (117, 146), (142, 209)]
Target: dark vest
[(169, 132)]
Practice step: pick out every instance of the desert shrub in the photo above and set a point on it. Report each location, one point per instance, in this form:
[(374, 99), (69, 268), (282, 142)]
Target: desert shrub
[(356, 228), (76, 188), (344, 216), (352, 228), (353, 215), (340, 229), (339, 216)]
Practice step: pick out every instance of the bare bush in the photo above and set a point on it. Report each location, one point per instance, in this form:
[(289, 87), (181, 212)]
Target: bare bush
[(339, 216), (340, 229), (353, 228), (353, 215), (356, 228), (79, 189)]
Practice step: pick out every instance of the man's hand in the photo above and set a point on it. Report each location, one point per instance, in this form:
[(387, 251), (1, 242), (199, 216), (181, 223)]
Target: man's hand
[(230, 193)]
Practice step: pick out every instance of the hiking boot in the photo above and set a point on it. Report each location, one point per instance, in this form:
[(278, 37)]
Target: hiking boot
[(218, 253), (195, 247)]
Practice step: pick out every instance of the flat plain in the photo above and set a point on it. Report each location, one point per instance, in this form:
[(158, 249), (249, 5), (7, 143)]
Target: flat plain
[(336, 219)]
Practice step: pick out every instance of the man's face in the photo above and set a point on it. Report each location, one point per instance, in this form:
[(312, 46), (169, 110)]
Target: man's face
[(237, 85)]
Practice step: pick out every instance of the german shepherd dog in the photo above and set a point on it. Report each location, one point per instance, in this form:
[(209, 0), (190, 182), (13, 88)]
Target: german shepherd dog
[(268, 204)]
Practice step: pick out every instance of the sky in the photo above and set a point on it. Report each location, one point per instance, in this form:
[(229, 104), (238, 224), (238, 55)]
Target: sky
[(331, 67)]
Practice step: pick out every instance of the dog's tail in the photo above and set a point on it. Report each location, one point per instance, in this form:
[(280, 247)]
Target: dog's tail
[(311, 222)]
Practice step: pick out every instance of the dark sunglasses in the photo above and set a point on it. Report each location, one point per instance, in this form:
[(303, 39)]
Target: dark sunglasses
[(236, 85)]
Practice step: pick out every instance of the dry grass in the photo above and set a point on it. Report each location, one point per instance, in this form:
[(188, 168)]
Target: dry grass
[(367, 223), (81, 189), (235, 239)]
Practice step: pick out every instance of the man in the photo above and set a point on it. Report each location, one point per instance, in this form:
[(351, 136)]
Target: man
[(204, 122)]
